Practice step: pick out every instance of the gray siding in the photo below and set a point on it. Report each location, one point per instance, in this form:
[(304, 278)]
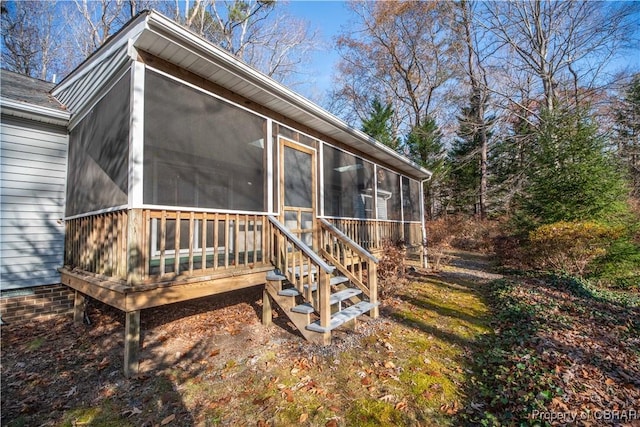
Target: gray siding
[(32, 189)]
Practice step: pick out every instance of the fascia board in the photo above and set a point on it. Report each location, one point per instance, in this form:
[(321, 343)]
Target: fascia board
[(118, 41), (34, 112)]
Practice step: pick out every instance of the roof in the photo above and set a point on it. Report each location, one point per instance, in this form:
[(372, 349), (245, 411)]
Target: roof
[(19, 87), (27, 97), (156, 34)]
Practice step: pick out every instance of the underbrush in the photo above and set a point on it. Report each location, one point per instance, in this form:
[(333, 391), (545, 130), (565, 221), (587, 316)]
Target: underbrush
[(462, 233), (619, 268), (392, 269), (608, 255), (509, 381), (558, 341)]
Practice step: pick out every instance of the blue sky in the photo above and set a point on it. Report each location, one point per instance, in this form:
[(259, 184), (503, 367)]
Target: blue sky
[(328, 18)]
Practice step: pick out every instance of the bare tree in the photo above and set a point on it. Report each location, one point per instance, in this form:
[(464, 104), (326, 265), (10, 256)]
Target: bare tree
[(401, 52), (565, 44), (97, 21), (475, 121), (257, 32), (31, 37)]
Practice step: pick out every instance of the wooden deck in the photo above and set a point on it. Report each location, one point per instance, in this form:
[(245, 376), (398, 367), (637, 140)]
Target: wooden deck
[(132, 298), (137, 259), (127, 297)]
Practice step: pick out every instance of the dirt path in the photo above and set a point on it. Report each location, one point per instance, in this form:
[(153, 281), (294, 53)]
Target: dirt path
[(469, 266)]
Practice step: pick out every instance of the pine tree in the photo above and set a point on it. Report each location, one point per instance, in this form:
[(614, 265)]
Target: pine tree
[(468, 158), (628, 133), (379, 126), (508, 161), (572, 177), (425, 147)]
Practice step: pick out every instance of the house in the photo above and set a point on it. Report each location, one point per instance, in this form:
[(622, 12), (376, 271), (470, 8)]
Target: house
[(33, 168), (191, 174)]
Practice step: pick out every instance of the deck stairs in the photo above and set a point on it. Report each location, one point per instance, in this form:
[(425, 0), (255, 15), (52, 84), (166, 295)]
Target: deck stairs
[(301, 302)]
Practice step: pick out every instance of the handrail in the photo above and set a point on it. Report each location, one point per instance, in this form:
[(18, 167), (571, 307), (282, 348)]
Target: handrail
[(356, 247), (303, 247)]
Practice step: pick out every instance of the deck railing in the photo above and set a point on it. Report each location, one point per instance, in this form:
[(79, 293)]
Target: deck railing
[(144, 245), (197, 243), (160, 244), (372, 234), (302, 267), (98, 243), (351, 259)]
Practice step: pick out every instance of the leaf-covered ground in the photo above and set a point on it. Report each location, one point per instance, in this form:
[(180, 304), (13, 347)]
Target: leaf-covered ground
[(561, 353), (458, 347)]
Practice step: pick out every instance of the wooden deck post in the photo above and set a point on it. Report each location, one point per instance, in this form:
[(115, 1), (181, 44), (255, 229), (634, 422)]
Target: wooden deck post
[(372, 274), (131, 343), (79, 307), (324, 293), (267, 308), (135, 247)]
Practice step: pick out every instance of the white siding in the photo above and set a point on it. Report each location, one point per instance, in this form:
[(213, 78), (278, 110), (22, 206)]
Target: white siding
[(32, 189)]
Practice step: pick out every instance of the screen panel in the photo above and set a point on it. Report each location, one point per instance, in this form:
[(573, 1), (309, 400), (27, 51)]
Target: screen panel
[(388, 195), (411, 199), (200, 151), (348, 185), (98, 168), (298, 181)]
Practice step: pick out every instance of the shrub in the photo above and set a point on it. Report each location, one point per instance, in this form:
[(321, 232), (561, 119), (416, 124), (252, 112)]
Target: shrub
[(391, 268), (511, 251), (620, 267), (475, 235), (459, 232), (439, 237), (571, 246)]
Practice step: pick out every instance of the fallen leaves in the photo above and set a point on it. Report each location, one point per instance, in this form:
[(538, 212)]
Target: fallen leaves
[(131, 412), (450, 408), (389, 364), (287, 394), (168, 420), (71, 391), (561, 349)]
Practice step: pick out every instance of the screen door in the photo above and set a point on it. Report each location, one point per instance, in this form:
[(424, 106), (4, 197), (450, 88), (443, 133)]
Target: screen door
[(298, 183)]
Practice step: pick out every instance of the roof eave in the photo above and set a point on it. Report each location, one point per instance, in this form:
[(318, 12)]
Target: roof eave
[(161, 26), (34, 112)]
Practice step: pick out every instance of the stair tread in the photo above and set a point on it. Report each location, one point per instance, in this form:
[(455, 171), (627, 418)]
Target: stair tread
[(290, 292), (336, 280), (333, 282), (343, 295), (305, 308), (273, 276), (314, 287), (342, 317)]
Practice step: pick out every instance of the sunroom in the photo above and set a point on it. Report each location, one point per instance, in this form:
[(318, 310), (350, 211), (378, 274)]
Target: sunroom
[(192, 174)]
